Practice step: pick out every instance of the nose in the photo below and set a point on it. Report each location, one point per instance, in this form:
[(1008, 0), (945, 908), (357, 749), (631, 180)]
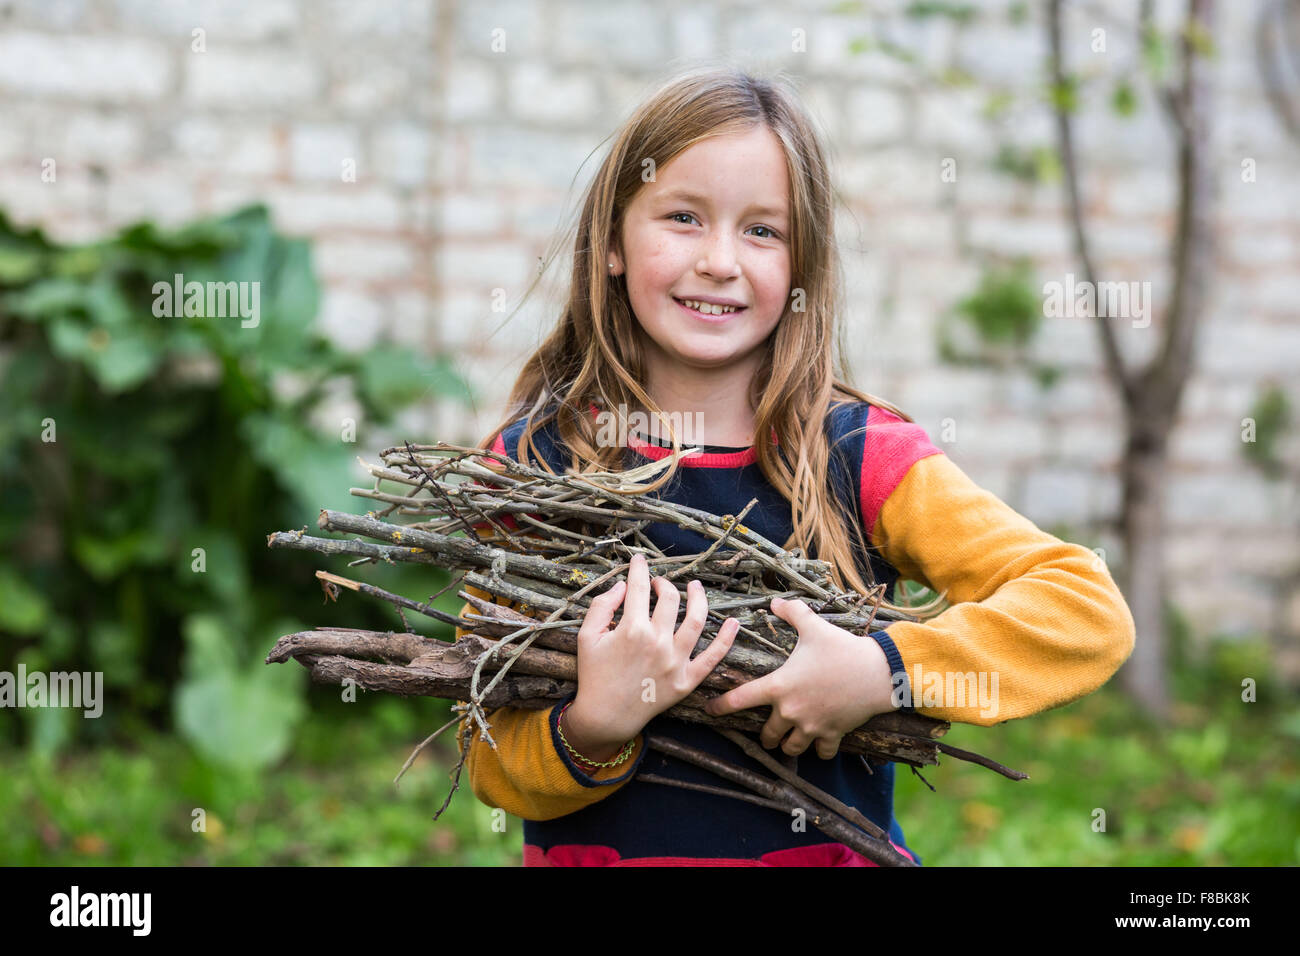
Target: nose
[(719, 258)]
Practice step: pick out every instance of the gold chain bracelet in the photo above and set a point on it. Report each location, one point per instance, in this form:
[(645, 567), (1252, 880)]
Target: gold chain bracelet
[(622, 756)]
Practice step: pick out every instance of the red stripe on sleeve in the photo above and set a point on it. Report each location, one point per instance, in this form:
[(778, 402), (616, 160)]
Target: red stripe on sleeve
[(891, 446)]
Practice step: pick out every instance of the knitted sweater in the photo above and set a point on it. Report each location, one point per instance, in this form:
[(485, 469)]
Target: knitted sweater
[(1038, 620)]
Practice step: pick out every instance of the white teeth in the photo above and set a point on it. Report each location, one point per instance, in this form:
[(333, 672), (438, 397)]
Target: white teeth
[(708, 308)]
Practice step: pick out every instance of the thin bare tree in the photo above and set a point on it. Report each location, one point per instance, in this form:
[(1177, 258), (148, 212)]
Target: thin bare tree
[(1151, 394)]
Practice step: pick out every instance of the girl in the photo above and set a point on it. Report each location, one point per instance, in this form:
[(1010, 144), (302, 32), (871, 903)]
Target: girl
[(705, 288)]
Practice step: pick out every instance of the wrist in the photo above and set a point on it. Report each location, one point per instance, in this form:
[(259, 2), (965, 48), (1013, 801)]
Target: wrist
[(592, 744)]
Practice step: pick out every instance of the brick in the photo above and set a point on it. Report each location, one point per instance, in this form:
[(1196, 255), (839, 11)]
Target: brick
[(349, 318), (245, 148), (305, 209), (164, 195), (535, 213), (113, 69), (1212, 441), (629, 33), (508, 265), (471, 214), (952, 119), (318, 151), (1253, 348), (53, 15), (1260, 247), (504, 156), (1232, 496), (830, 51), (1141, 191), (373, 259), (391, 19), (1056, 495), (93, 137), (400, 153), (522, 23), (223, 20), (251, 79), (1085, 442), (365, 81), (410, 320), (473, 88), (539, 94), (1010, 235), (875, 115), (767, 33), (694, 32)]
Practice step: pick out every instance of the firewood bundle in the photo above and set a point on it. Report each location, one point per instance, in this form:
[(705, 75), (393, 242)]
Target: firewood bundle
[(546, 545)]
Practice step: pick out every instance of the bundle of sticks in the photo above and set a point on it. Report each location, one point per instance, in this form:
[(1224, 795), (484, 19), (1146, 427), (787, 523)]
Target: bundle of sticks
[(546, 545)]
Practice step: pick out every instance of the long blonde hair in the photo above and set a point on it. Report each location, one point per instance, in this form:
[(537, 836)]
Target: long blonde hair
[(595, 355)]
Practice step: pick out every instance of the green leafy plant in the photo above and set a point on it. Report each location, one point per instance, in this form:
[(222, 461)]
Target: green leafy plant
[(1271, 414), (146, 453)]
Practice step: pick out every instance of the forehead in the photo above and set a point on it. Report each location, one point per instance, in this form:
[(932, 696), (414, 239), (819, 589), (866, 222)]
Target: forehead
[(740, 171)]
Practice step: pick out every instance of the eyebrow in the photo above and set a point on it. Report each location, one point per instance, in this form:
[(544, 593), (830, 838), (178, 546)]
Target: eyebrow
[(685, 195)]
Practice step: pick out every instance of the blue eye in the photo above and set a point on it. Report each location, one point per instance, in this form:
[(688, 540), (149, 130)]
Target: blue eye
[(770, 230)]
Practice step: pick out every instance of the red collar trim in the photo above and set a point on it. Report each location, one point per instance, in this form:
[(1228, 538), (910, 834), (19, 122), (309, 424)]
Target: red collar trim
[(713, 459)]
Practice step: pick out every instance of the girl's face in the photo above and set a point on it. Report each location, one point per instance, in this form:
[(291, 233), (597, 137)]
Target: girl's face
[(714, 225)]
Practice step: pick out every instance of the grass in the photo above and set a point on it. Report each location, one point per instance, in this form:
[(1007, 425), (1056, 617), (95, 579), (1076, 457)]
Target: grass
[(1218, 787)]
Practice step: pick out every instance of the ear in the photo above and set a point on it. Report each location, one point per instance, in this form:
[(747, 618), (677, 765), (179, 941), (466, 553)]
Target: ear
[(616, 257)]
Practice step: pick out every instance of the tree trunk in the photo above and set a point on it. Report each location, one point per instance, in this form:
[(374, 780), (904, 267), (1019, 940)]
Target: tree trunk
[(1143, 676)]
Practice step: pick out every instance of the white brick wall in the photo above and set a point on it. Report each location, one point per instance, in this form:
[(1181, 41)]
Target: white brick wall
[(465, 157)]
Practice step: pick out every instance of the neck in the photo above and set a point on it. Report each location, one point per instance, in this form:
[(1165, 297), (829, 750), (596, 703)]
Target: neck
[(707, 406)]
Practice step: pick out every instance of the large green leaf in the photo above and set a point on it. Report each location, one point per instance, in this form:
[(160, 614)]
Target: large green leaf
[(23, 610), (238, 717), (316, 471)]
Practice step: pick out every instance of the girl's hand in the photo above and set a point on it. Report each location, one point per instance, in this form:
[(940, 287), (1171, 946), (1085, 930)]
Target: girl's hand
[(641, 667), (832, 682)]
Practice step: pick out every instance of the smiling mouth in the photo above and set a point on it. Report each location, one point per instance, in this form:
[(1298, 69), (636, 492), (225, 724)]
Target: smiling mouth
[(709, 316)]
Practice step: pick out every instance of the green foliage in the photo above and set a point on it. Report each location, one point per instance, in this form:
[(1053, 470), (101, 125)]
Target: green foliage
[(239, 716), (1155, 53), (1038, 164), (1005, 308), (331, 801), (1214, 789), (1219, 787), (147, 451), (1123, 99), (1271, 414), (958, 12), (995, 325), (1064, 95)]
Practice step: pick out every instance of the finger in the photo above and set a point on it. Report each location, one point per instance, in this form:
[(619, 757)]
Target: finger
[(636, 605), (828, 747), (697, 612), (667, 600), (796, 613), (712, 655), (752, 693), (600, 614), (774, 731), (796, 743)]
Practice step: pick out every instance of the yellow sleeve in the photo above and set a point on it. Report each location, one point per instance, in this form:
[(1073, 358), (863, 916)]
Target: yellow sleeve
[(528, 775), (1040, 618)]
